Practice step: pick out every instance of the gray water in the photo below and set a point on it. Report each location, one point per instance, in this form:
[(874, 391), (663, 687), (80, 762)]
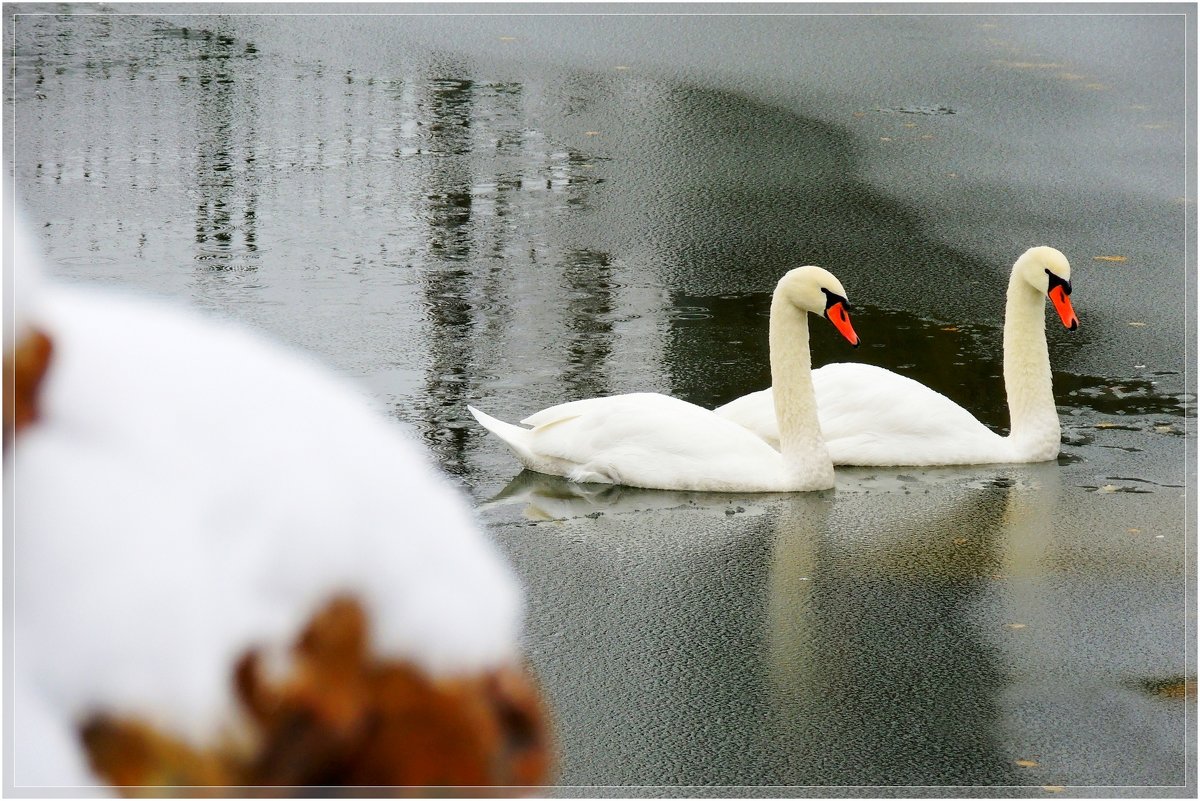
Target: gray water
[(514, 211)]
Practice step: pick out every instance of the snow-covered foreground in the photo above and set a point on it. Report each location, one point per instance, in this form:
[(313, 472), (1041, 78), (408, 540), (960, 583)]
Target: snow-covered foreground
[(189, 491)]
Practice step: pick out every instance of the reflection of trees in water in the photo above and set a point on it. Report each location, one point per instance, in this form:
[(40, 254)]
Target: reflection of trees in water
[(587, 320), (226, 164), (447, 284), (119, 85), (487, 177)]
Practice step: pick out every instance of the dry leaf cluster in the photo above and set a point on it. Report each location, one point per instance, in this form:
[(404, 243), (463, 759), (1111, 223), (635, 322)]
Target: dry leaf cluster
[(342, 719)]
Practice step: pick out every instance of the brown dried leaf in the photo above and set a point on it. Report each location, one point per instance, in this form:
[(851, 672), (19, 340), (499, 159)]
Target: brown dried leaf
[(1179, 687), (130, 754), (344, 717), (1026, 763), (24, 370)]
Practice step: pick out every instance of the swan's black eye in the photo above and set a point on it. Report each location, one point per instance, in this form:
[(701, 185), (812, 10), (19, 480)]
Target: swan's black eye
[(832, 298), (1058, 281)]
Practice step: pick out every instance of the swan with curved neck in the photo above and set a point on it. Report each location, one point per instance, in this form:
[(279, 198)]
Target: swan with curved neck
[(871, 416), (659, 442)]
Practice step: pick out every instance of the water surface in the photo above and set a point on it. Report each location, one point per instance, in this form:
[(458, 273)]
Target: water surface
[(518, 211)]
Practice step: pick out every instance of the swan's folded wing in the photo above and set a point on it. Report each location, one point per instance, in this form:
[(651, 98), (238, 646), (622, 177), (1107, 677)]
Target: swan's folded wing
[(597, 405), (651, 441), (872, 416)]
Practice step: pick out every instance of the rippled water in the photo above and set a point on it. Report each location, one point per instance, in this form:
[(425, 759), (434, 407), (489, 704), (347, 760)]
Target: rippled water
[(451, 226)]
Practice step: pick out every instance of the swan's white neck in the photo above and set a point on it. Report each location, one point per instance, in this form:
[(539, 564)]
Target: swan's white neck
[(1033, 429), (805, 457)]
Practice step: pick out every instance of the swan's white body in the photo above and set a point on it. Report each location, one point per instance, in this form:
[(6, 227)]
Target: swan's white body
[(189, 491), (873, 417), (658, 442)]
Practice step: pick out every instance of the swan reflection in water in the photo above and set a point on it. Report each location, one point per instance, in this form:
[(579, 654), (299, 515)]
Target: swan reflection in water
[(546, 497), (877, 668), (868, 636), (958, 636), (791, 634)]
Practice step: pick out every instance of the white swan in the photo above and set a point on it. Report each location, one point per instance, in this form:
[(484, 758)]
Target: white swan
[(658, 442), (871, 416)]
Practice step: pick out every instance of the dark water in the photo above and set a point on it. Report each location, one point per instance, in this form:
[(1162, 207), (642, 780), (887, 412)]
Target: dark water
[(517, 211)]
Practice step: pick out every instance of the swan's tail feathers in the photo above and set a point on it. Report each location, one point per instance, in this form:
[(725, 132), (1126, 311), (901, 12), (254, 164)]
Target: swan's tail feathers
[(513, 436)]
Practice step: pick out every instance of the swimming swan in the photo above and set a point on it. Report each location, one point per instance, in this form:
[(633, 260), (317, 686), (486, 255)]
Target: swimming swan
[(872, 416), (659, 442)]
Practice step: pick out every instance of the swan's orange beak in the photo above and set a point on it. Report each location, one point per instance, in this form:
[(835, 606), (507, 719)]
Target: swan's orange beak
[(1062, 304), (837, 314)]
